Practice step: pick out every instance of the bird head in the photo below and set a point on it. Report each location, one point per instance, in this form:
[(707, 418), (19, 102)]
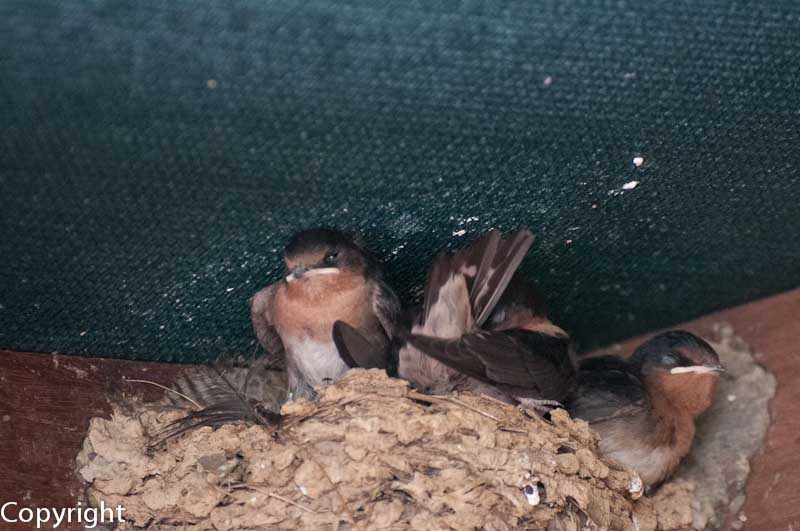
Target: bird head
[(314, 252), (681, 368)]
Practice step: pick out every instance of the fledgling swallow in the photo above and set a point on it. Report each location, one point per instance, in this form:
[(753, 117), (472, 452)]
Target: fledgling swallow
[(644, 407), (329, 278), (460, 343)]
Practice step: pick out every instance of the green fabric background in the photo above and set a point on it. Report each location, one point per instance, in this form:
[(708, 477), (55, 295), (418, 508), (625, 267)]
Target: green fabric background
[(142, 208)]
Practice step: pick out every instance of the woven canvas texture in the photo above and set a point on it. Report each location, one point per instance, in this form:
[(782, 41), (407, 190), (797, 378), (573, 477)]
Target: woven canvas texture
[(155, 156)]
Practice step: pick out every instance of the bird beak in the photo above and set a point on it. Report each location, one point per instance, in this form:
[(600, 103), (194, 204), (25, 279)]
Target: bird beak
[(300, 271), (697, 369), (322, 271), (296, 273)]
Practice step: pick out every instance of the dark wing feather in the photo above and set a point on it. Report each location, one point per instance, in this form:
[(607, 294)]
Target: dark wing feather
[(520, 301), (529, 363), (386, 306), (607, 388), (265, 331), (219, 414), (455, 353), (466, 262), (371, 350), (545, 359), (483, 254), (438, 274), (473, 263), (356, 350), (222, 402), (500, 261), (488, 265)]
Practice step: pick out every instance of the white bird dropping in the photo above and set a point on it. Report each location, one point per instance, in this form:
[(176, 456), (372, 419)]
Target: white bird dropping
[(532, 494)]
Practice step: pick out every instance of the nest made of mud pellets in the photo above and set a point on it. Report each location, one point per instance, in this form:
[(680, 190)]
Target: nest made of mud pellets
[(373, 454), (368, 455)]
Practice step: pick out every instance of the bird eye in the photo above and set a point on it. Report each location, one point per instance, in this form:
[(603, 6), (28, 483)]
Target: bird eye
[(331, 257), (669, 360)]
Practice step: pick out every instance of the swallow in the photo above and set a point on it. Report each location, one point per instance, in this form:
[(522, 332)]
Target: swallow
[(329, 277), (469, 336), (644, 407)]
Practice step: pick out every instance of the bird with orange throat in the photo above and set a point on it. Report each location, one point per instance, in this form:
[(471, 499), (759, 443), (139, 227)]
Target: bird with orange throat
[(329, 277), (644, 408)]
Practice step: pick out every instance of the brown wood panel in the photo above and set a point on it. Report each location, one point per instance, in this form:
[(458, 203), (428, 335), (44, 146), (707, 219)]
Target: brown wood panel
[(46, 402)]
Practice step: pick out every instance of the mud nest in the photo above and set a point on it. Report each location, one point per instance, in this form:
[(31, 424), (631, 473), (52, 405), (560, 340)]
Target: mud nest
[(374, 454)]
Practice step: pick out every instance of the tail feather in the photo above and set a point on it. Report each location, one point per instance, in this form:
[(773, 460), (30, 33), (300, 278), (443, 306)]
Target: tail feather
[(224, 398), (501, 258), (487, 267), (437, 277), (219, 414)]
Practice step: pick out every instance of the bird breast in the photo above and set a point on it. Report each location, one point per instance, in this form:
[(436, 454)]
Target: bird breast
[(652, 444), (318, 362), (305, 311), (308, 307)]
